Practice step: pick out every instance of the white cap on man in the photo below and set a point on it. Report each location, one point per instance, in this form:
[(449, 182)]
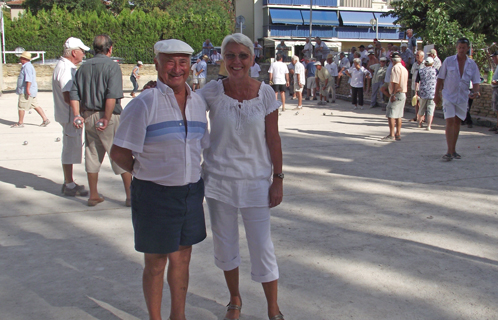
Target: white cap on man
[(318, 63), (172, 46), (429, 61), (72, 43)]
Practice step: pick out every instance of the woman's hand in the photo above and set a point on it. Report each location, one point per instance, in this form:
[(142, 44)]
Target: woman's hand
[(276, 192)]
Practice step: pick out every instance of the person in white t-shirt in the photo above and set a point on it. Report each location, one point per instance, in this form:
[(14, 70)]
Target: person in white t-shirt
[(333, 73), (62, 82), (193, 72), (299, 80), (255, 70), (279, 78)]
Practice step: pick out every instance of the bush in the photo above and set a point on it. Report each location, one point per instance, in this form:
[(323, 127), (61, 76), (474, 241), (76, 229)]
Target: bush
[(133, 32)]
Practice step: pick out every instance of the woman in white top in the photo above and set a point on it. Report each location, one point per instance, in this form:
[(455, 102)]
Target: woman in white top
[(245, 151)]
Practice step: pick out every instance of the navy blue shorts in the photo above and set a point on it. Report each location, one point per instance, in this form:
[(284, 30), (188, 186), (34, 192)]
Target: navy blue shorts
[(165, 218)]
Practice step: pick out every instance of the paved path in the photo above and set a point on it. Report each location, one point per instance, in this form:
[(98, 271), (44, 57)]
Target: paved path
[(367, 230)]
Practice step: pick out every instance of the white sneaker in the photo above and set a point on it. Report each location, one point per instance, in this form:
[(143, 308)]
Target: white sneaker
[(355, 107), (298, 108), (428, 128)]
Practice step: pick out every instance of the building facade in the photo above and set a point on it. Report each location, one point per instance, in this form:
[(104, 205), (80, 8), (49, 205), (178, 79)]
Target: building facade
[(341, 24)]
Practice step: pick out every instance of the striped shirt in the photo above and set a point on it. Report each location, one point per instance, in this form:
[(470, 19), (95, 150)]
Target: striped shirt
[(167, 150)]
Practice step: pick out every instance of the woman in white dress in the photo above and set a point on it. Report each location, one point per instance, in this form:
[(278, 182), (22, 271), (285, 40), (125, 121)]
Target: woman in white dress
[(245, 153)]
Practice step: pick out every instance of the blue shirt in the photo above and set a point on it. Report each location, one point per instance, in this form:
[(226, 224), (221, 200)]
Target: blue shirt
[(201, 66), (311, 69), (27, 74), (207, 51)]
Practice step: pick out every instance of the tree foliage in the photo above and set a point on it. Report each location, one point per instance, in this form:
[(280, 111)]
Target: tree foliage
[(442, 23), (134, 32)]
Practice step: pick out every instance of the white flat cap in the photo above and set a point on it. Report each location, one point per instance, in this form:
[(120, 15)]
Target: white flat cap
[(404, 45), (172, 46), (383, 59), (72, 43), (370, 46), (429, 60), (318, 63)]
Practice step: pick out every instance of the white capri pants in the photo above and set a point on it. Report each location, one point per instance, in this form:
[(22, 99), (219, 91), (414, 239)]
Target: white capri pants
[(225, 227)]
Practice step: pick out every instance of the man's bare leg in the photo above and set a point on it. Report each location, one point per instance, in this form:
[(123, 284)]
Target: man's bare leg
[(93, 178), (152, 283), (126, 177), (68, 173), (452, 131), (178, 277), (392, 123), (41, 113), (282, 96)]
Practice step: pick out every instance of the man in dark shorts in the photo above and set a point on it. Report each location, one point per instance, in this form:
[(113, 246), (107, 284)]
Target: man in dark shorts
[(160, 140), (279, 78)]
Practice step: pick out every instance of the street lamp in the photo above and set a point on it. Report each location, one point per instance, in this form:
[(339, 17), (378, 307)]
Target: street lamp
[(375, 24)]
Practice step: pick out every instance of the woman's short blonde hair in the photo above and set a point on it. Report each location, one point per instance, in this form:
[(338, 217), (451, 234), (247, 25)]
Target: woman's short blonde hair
[(240, 39)]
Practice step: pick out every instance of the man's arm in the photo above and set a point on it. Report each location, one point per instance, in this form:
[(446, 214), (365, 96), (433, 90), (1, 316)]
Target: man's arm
[(109, 108), (286, 79), (28, 85), (123, 157), (396, 88), (439, 88)]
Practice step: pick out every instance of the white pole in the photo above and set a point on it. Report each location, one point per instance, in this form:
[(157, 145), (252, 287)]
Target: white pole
[(311, 24), (3, 36), (241, 24), (377, 28)]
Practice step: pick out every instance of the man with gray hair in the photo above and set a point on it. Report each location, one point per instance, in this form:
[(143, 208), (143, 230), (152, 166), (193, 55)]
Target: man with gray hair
[(299, 81), (437, 62), (397, 90), (417, 65), (379, 73), (308, 49), (412, 40), (160, 140), (97, 92), (62, 82)]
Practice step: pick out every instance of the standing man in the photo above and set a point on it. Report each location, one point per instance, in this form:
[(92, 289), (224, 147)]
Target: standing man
[(62, 83), (168, 190), (321, 50), (379, 73), (437, 62), (455, 76), (258, 51), (97, 91), (193, 71), (207, 46), (299, 81), (407, 56), (310, 79), (255, 70), (494, 84), (332, 69), (322, 81), (344, 65), (308, 49), (279, 78), (412, 40), (282, 50), (419, 59), (397, 90), (358, 73), (201, 71), (215, 57), (363, 55), (27, 89)]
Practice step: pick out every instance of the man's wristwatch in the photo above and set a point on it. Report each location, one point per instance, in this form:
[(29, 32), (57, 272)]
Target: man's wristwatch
[(278, 175)]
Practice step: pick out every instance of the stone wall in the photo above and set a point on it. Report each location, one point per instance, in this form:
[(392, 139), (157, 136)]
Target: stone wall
[(147, 73)]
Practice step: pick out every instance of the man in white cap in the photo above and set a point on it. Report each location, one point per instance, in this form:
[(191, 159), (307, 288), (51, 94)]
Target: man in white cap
[(62, 82), (160, 140), (437, 62), (27, 89), (96, 100), (322, 81), (333, 72)]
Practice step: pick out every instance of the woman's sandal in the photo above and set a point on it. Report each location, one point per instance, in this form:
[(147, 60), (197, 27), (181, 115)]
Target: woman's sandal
[(234, 307), (278, 317), (17, 125)]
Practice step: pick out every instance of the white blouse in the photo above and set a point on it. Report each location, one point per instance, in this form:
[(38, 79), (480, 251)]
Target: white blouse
[(237, 166)]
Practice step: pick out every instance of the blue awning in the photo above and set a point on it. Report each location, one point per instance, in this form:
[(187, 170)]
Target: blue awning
[(321, 17), (386, 21), (286, 16), (350, 18)]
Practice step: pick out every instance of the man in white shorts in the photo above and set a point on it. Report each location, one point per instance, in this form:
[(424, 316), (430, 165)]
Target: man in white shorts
[(455, 76), (62, 82), (333, 72), (299, 81)]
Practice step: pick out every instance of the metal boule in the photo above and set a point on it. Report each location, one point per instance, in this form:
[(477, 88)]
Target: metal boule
[(57, 139), (78, 122), (25, 143), (99, 124)]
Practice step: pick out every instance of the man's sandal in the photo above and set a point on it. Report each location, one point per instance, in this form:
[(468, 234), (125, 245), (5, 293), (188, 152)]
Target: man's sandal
[(17, 125), (234, 307), (278, 317)]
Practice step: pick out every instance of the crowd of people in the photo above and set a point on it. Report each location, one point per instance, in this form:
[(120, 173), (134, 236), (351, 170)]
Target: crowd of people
[(386, 73)]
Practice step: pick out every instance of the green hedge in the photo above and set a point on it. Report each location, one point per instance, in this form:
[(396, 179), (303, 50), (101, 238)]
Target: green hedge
[(133, 32)]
